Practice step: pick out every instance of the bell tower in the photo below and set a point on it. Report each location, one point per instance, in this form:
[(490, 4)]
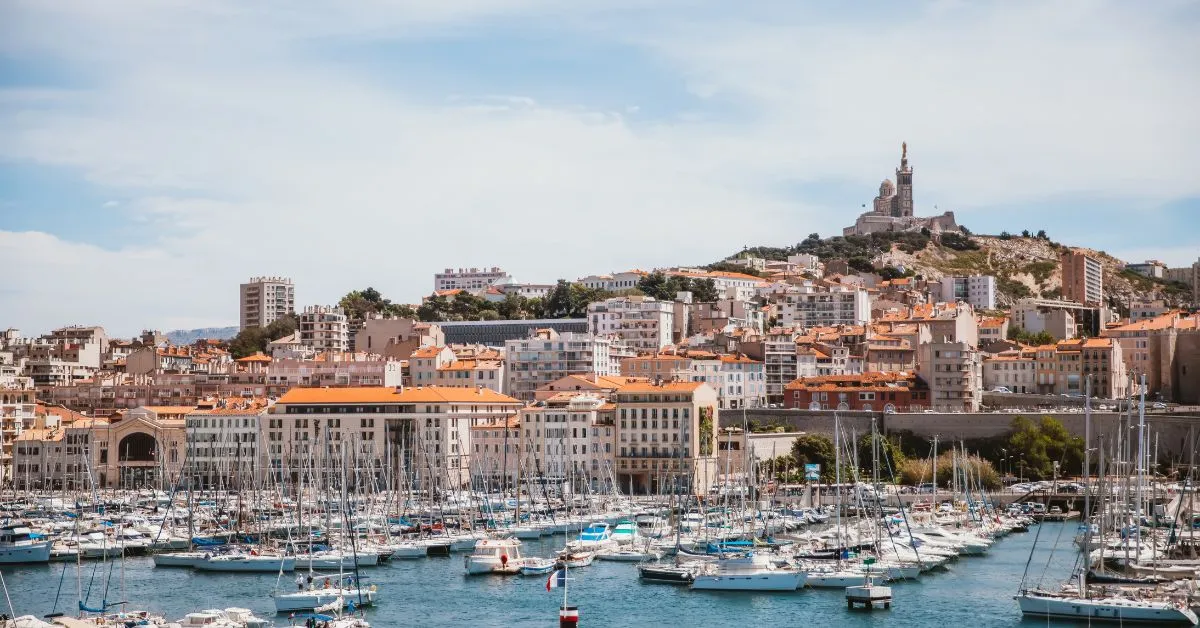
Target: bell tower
[(904, 194)]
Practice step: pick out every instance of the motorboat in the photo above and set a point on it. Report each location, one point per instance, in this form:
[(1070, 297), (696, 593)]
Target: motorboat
[(335, 559), (494, 556), (595, 537), (534, 566), (576, 558), (667, 574), (228, 618), (750, 572), (19, 545), (625, 532)]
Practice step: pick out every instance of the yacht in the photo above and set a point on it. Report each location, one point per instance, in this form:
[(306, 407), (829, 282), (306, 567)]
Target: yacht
[(228, 618), (18, 545), (498, 556), (625, 532), (595, 537), (752, 572), (533, 566), (180, 559)]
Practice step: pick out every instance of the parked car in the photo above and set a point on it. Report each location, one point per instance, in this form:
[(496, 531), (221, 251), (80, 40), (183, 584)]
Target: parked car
[(1158, 405), (1001, 389)]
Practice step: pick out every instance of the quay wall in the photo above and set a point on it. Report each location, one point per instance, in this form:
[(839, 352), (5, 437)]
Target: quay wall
[(1177, 435)]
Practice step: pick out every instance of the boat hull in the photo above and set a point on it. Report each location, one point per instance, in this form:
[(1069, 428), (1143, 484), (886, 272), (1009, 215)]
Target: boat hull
[(1162, 614), (20, 554), (256, 564), (773, 581), (309, 600)]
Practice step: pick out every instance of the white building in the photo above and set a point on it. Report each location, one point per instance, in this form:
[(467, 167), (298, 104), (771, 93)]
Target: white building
[(224, 443), (739, 381), (641, 322), (813, 305), (570, 440), (547, 355), (615, 282), (324, 328), (265, 299), (978, 290), (469, 279)]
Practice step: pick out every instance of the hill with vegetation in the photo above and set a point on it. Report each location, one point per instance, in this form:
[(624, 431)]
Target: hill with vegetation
[(1025, 265)]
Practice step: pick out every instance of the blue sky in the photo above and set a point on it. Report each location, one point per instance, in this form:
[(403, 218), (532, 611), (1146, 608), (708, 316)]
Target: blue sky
[(157, 154)]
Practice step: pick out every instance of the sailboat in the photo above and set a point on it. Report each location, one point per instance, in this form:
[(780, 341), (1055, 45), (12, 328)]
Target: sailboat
[(1079, 605)]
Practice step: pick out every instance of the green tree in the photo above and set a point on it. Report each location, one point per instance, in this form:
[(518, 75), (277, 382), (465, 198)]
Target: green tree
[(1025, 233), (1041, 235), (655, 285), (1039, 445), (704, 290), (1004, 235), (815, 449), (890, 454), (254, 339)]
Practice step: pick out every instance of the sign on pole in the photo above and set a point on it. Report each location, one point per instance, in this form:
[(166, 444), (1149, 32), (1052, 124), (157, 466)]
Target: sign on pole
[(812, 471)]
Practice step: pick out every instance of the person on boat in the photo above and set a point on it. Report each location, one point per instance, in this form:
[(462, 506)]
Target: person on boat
[(299, 582)]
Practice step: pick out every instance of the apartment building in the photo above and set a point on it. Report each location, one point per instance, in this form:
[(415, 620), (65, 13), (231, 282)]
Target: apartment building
[(569, 441), (1149, 268), (547, 356), (324, 328), (441, 366), (658, 366), (225, 443), (888, 354), (1189, 275), (1082, 279), (469, 279), (740, 382), (423, 433), (953, 372), (263, 300), (1016, 371), (498, 455), (868, 392), (992, 329), (978, 290), (397, 337), (643, 323), (734, 286), (666, 437), (812, 304), (615, 282)]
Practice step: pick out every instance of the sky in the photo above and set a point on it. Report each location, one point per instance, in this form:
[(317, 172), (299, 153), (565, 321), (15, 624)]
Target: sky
[(156, 153)]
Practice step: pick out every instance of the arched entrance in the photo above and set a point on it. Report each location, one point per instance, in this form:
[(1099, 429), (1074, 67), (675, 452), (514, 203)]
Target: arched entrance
[(137, 456), (138, 447)]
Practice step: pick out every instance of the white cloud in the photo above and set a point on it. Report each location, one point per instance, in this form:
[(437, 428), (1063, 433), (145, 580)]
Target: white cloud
[(251, 155)]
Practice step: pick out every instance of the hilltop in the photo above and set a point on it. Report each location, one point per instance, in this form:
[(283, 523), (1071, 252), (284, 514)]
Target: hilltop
[(188, 336), (1023, 266)]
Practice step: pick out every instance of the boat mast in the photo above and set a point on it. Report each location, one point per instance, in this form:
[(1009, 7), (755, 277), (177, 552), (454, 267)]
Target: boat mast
[(1087, 486)]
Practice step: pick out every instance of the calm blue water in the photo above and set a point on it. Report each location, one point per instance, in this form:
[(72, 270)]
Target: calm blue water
[(975, 592)]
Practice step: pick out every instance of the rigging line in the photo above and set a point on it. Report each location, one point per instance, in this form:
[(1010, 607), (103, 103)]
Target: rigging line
[(1030, 559), (1052, 549), (57, 594)]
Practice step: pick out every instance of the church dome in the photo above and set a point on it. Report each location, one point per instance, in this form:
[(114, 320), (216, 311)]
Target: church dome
[(887, 188)]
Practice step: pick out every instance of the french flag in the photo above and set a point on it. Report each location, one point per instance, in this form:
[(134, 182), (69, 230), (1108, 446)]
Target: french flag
[(558, 578)]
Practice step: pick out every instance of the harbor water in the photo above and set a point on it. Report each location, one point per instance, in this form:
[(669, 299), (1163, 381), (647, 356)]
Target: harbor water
[(434, 592)]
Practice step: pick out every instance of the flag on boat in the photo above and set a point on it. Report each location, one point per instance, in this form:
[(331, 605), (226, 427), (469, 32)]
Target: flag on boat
[(558, 578)]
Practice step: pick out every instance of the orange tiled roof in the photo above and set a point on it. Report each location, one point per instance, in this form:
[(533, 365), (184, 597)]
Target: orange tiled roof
[(383, 394), (427, 352), (637, 386), (258, 356)]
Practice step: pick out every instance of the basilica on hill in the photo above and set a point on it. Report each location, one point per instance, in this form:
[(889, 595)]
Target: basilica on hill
[(892, 210)]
